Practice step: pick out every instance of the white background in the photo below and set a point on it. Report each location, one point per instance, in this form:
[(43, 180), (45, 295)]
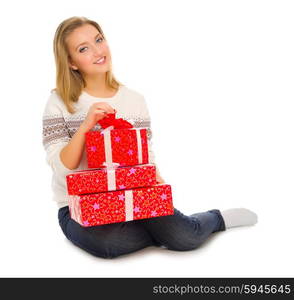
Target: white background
[(218, 79)]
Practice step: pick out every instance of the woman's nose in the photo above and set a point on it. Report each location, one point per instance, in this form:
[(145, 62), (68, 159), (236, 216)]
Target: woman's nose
[(97, 51)]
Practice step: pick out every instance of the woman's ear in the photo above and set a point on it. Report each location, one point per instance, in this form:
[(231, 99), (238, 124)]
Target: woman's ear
[(71, 64)]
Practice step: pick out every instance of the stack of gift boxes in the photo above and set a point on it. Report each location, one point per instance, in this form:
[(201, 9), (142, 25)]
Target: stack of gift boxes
[(120, 184)]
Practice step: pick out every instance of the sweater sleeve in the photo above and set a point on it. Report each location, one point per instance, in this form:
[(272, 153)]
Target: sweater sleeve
[(55, 134)]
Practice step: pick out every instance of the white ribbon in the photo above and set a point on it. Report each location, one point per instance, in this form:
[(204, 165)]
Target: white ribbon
[(107, 144), (129, 205), (139, 143), (75, 208), (111, 178)]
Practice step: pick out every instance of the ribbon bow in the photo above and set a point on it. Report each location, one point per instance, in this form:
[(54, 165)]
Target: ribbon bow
[(110, 120), (108, 123)]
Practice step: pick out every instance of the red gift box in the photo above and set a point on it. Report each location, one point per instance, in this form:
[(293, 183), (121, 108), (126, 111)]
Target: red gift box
[(110, 179), (118, 142), (120, 206), (126, 147)]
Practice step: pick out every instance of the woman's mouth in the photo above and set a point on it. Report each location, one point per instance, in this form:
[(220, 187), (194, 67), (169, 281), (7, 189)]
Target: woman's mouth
[(100, 61)]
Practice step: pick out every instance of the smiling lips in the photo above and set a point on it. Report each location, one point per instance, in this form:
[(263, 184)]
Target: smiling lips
[(100, 60)]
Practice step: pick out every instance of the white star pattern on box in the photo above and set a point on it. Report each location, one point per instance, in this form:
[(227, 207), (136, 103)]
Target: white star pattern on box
[(136, 209), (132, 171), (121, 197), (163, 197), (96, 206)]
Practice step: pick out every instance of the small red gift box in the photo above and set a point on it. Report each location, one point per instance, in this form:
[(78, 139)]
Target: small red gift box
[(118, 142), (120, 206), (110, 179)]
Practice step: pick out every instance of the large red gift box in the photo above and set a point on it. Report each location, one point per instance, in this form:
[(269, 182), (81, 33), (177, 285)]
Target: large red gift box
[(110, 179), (125, 146), (118, 142), (120, 206)]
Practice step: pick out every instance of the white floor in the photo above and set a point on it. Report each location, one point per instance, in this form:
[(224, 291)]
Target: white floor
[(263, 250)]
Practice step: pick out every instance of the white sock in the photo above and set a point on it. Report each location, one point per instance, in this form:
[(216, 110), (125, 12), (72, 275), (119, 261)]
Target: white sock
[(235, 217)]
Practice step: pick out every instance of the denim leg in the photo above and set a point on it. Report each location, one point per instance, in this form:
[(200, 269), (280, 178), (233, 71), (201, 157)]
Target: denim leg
[(180, 232), (108, 240), (203, 218)]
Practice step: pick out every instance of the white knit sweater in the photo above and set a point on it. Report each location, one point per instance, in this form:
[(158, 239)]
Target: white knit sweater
[(59, 126)]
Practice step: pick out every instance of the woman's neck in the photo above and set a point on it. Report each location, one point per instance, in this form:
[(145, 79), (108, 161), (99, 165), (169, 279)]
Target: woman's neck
[(98, 88), (105, 93)]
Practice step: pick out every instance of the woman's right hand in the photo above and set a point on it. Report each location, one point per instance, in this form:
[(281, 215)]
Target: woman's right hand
[(96, 112)]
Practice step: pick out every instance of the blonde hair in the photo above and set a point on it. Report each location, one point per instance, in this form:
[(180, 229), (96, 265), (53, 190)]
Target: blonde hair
[(69, 82)]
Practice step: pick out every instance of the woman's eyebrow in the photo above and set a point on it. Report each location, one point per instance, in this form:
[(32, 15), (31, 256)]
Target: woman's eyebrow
[(86, 42)]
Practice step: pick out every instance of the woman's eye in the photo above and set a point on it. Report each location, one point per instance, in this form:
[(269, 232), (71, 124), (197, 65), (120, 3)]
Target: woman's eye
[(86, 47)]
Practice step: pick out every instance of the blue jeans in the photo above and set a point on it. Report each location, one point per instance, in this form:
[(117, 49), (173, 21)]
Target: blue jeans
[(176, 232)]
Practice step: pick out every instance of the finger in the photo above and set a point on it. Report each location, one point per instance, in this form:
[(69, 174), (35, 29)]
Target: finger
[(109, 109), (100, 105), (105, 106), (100, 111)]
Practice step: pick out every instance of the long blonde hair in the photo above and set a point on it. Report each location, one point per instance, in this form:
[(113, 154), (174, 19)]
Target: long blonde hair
[(69, 82)]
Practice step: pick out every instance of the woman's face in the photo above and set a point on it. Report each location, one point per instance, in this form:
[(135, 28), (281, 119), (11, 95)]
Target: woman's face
[(86, 45)]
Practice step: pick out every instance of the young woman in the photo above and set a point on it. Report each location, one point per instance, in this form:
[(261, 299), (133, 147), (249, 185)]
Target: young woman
[(86, 91)]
